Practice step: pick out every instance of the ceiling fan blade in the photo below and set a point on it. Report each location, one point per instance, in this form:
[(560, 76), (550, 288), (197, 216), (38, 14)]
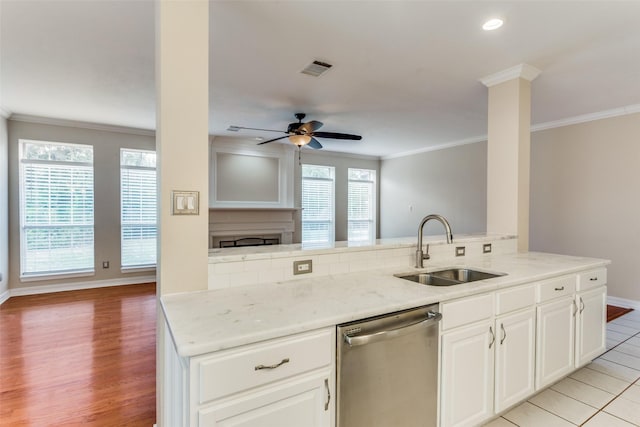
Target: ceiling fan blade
[(274, 139), (314, 143), (245, 128), (311, 126), (336, 135)]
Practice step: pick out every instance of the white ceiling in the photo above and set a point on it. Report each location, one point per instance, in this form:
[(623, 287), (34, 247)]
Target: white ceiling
[(405, 73)]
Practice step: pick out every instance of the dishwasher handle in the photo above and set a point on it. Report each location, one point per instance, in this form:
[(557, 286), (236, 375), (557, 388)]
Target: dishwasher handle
[(433, 317)]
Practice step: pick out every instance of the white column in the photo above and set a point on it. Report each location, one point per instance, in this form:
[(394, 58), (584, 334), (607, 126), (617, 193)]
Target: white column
[(182, 122), (508, 152), (182, 90)]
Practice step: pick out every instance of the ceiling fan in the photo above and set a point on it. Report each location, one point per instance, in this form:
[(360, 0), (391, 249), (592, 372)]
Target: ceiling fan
[(302, 134)]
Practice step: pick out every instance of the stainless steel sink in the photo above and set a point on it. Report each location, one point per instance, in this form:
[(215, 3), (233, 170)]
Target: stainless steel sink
[(448, 277), (429, 279), (465, 275)]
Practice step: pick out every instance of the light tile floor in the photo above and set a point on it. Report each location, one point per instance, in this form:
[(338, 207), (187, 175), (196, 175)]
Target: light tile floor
[(605, 393)]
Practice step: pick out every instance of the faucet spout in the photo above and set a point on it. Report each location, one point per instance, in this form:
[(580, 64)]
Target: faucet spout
[(420, 256)]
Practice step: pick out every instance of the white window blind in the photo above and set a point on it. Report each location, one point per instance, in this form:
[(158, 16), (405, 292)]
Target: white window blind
[(318, 184), (56, 208), (138, 205), (361, 208)]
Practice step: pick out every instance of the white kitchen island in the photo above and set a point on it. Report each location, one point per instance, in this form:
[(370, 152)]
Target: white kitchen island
[(219, 337)]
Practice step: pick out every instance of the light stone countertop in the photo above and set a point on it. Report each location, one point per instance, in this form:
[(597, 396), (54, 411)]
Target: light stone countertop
[(208, 321), (247, 253)]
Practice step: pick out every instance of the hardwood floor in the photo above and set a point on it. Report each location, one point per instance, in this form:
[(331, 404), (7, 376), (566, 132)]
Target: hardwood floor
[(79, 358)]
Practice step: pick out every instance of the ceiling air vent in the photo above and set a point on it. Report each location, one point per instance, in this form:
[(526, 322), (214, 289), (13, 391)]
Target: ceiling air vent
[(316, 68)]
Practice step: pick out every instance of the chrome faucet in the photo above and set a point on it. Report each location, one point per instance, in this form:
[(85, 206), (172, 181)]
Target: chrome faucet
[(420, 256)]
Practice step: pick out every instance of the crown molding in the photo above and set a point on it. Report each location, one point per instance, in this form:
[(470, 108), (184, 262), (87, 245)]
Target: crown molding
[(81, 125), (5, 113), (583, 118), (522, 71), (453, 144)]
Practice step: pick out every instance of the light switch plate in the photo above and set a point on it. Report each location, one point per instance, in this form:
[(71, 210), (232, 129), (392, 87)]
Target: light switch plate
[(486, 248), (185, 202)]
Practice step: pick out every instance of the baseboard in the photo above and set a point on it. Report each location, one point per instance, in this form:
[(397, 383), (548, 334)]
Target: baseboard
[(622, 302), (61, 287), (4, 296)]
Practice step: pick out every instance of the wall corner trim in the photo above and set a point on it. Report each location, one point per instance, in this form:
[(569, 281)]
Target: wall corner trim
[(4, 296), (523, 71)]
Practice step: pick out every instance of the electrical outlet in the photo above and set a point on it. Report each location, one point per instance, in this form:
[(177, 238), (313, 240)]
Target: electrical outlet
[(486, 248), (105, 264), (460, 250), (302, 267)]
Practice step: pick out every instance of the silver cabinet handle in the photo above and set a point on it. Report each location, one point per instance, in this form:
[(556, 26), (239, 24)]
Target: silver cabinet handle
[(581, 305), (326, 385), (493, 336), (433, 317), (593, 279), (277, 365), (504, 333), (561, 288)]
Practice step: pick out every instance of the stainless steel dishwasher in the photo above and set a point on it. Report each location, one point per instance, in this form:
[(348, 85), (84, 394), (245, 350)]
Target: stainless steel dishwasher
[(387, 370)]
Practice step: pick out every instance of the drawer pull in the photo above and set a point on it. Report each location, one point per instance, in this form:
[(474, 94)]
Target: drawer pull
[(593, 279), (561, 288), (259, 367), (504, 333), (326, 385)]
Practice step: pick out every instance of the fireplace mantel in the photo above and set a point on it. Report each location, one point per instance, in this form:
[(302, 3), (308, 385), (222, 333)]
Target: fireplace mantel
[(234, 223)]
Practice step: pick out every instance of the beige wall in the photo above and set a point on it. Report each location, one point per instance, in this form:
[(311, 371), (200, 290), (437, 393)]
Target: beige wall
[(451, 182), (4, 209), (584, 180), (106, 147), (341, 163)]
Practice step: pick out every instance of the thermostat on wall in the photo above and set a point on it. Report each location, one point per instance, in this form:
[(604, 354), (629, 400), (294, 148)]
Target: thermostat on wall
[(185, 202)]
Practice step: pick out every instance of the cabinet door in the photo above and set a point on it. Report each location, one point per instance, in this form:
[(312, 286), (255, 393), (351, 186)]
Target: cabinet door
[(467, 375), (554, 340), (591, 325), (515, 355), (305, 401)]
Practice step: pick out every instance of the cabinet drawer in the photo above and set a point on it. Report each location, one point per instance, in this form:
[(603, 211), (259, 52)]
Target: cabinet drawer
[(515, 298), (232, 371), (592, 278), (466, 310), (557, 287)]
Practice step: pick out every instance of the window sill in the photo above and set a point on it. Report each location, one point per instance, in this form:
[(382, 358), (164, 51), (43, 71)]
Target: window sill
[(56, 276)]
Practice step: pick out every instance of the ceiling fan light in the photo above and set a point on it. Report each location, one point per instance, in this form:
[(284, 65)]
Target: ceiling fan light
[(300, 140)]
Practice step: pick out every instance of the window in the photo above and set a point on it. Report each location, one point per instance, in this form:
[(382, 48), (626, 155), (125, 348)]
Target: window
[(318, 204), (361, 205), (138, 208), (56, 208)]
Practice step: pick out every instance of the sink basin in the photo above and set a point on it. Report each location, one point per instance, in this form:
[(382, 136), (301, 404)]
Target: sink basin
[(448, 277), (429, 279), (464, 274)]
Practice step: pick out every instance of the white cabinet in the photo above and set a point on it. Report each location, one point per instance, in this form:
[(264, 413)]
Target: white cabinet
[(515, 356), (467, 375), (284, 382), (554, 340), (303, 401), (590, 325)]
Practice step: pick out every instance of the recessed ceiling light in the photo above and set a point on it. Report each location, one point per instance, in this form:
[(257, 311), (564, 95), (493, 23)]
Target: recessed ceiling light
[(492, 24)]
